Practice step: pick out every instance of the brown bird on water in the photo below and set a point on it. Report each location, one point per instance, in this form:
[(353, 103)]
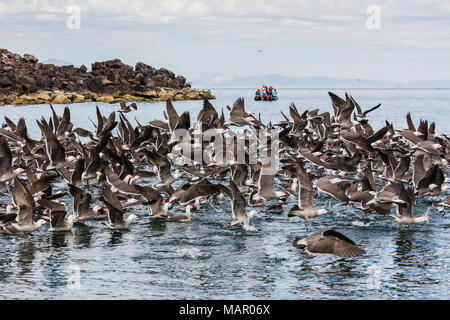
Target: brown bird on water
[(329, 241)]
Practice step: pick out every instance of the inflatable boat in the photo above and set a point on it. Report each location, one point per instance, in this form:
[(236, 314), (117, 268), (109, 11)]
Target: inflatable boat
[(261, 98)]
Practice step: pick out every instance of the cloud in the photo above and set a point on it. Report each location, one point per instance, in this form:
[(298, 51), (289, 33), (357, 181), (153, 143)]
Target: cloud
[(169, 11), (48, 17), (297, 22), (226, 34), (426, 44)]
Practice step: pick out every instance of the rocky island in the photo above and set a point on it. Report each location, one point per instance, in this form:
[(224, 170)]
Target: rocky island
[(24, 80)]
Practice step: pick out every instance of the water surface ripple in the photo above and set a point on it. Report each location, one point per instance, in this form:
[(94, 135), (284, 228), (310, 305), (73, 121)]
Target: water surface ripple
[(208, 259)]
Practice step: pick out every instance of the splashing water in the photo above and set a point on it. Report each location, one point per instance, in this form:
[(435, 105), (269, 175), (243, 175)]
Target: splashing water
[(208, 259), (247, 227), (361, 224)]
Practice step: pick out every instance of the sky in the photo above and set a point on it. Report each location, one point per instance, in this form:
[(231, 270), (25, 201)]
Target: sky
[(398, 40)]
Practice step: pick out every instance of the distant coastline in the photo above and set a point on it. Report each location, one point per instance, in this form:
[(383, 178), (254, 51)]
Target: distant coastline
[(331, 88), (217, 80), (24, 81)]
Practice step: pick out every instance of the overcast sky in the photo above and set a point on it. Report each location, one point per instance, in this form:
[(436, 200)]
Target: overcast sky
[(245, 37)]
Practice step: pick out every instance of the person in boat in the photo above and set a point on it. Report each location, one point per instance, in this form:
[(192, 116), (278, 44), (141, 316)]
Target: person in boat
[(274, 94), (258, 94), (269, 93), (265, 92)]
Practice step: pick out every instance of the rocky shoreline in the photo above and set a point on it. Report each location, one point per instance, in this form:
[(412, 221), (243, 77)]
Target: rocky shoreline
[(24, 80)]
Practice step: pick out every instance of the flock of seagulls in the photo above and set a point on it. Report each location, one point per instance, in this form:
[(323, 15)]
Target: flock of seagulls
[(337, 153)]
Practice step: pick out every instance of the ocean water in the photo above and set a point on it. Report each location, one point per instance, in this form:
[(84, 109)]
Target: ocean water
[(208, 259)]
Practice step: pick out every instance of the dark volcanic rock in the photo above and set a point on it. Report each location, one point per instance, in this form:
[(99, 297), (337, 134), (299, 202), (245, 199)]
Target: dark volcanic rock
[(24, 76), (5, 82)]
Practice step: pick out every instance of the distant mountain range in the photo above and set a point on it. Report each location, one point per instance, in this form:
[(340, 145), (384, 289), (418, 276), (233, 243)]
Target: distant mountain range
[(57, 62), (215, 80)]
